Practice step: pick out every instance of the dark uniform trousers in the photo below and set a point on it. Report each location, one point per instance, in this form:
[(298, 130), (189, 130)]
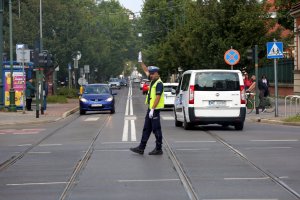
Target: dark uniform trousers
[(149, 126)]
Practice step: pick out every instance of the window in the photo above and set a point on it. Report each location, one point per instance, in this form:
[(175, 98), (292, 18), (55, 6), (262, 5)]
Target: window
[(217, 81), (185, 82)]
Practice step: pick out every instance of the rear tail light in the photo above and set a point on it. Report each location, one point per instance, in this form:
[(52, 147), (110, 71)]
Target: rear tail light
[(191, 94), (243, 94)]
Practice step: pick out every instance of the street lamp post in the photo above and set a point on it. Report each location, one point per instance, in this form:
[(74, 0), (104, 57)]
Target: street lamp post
[(12, 101), (1, 57)]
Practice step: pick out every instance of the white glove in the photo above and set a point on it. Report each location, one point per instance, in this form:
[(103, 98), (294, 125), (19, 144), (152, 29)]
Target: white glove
[(140, 57), (151, 113)]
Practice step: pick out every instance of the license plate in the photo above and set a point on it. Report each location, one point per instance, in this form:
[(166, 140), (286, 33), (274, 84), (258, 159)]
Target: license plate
[(217, 103), (96, 105)]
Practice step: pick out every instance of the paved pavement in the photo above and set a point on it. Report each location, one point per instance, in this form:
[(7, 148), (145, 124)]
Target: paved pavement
[(53, 113), (56, 112)]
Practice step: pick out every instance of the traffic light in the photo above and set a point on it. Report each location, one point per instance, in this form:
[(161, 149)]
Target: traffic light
[(49, 60), (250, 54), (42, 59)]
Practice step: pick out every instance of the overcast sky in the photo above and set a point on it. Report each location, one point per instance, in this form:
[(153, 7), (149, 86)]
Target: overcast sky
[(133, 5)]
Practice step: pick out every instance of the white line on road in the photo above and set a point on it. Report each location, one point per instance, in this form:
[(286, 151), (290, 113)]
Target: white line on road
[(258, 178), (24, 145), (240, 199), (199, 141), (274, 140), (203, 149), (28, 184), (48, 145), (148, 180), (113, 150), (118, 142), (90, 119), (125, 131), (39, 152), (248, 148), (133, 133), (167, 118)]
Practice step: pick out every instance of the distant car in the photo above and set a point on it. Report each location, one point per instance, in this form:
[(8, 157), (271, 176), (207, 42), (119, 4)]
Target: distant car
[(142, 83), (136, 80), (114, 83), (169, 92), (146, 87), (97, 97), (123, 82)]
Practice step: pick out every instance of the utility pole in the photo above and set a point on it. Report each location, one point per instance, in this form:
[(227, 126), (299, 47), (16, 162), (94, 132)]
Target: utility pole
[(12, 94), (1, 55)]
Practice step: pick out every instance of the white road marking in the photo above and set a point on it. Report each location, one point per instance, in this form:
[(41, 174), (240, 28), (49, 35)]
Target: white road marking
[(199, 141), (258, 178), (274, 140), (248, 148), (203, 149), (41, 152), (125, 131), (131, 107), (113, 150), (240, 199), (130, 117), (90, 119), (24, 145), (133, 133), (48, 145), (117, 142), (28, 184), (21, 131), (167, 118), (148, 180)]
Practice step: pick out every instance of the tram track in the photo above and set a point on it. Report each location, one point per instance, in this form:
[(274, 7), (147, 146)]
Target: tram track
[(12, 160), (265, 172)]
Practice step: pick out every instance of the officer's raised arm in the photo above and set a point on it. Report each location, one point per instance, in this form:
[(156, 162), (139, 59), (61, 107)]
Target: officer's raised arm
[(145, 68)]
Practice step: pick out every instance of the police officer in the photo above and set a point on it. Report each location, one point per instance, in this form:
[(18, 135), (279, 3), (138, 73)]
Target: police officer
[(155, 100)]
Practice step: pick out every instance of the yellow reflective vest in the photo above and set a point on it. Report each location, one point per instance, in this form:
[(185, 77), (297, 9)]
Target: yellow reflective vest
[(161, 102)]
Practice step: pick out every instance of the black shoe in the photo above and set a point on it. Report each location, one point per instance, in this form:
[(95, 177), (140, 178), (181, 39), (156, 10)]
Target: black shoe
[(137, 150), (156, 152)]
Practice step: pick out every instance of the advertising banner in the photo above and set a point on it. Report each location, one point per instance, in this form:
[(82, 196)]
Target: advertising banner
[(18, 83)]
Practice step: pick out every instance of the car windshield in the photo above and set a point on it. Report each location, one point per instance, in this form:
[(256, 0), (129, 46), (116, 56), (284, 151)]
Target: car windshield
[(169, 88), (96, 89), (217, 81), (113, 80)]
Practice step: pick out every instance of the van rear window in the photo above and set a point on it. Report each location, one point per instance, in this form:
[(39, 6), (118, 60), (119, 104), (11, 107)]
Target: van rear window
[(169, 88), (217, 81)]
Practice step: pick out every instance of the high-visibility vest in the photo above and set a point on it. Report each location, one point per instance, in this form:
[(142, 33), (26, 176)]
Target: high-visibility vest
[(161, 102)]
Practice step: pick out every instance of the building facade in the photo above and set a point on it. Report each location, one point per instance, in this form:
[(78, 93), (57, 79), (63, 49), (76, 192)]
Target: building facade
[(295, 13)]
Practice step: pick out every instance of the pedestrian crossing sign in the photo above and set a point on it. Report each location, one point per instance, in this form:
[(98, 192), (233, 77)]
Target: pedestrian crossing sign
[(274, 50)]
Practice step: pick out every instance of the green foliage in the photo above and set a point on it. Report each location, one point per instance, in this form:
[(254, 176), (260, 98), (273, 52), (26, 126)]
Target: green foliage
[(57, 99), (69, 93), (295, 118)]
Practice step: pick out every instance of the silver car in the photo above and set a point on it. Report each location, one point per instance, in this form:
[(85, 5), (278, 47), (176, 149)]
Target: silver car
[(114, 83)]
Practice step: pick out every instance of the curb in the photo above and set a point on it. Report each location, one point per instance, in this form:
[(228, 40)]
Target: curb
[(274, 121)]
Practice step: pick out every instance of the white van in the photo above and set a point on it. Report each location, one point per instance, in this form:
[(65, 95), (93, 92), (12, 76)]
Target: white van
[(210, 97), (169, 96)]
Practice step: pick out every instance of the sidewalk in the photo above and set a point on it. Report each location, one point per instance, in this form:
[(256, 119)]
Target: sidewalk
[(53, 113)]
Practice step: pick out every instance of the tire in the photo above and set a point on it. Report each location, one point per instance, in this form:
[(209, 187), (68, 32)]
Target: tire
[(239, 126), (82, 112), (187, 125), (112, 111), (177, 123), (249, 106)]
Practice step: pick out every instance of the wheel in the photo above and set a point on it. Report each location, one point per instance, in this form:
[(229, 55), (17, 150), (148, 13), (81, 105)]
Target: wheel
[(177, 123), (269, 104), (239, 126), (187, 125), (112, 111), (82, 112), (249, 106)]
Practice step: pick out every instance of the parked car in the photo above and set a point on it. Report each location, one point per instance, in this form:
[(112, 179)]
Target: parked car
[(169, 96), (210, 97), (146, 87), (97, 97), (114, 83), (123, 82)]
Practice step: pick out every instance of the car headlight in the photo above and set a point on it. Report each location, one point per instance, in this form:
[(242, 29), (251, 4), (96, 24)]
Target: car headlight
[(109, 99), (83, 100)]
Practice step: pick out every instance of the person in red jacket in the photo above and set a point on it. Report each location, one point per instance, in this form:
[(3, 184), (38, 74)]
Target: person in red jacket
[(247, 81)]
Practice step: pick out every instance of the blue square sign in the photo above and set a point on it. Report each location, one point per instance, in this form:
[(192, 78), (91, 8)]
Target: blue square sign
[(274, 50)]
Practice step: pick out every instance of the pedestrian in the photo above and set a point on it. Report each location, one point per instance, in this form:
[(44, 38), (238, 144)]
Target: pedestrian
[(30, 93), (266, 85), (45, 94), (155, 101), (247, 81)]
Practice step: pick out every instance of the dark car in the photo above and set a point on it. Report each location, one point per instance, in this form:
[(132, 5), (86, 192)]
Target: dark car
[(97, 97), (123, 82)]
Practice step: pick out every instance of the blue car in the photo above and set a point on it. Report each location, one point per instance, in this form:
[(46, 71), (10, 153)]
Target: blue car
[(97, 97)]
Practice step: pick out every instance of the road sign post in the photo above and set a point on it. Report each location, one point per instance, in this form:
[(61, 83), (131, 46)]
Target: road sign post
[(232, 57), (275, 51)]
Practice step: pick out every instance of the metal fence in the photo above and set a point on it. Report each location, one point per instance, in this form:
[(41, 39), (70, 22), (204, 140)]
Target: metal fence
[(285, 71)]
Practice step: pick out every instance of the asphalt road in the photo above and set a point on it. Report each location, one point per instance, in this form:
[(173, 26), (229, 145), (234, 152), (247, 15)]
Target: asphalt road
[(88, 157)]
